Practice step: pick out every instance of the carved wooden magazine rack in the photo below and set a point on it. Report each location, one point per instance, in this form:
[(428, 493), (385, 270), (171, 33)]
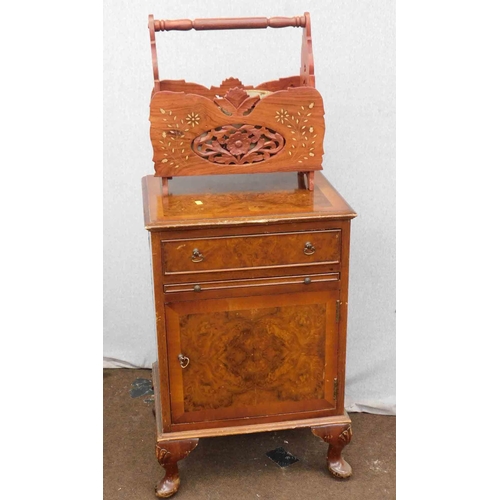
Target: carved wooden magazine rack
[(276, 126)]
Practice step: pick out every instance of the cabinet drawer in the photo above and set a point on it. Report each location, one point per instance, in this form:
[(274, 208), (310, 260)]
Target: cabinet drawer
[(259, 286), (250, 251)]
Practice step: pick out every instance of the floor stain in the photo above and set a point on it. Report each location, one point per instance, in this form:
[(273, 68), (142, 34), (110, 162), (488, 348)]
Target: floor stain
[(141, 387)]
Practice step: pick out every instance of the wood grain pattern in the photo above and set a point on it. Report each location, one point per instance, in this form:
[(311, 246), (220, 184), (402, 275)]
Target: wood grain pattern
[(248, 356), (246, 426), (251, 251), (264, 203), (161, 334), (189, 279), (251, 283), (203, 292), (236, 201), (157, 389), (252, 355), (344, 298), (178, 119)]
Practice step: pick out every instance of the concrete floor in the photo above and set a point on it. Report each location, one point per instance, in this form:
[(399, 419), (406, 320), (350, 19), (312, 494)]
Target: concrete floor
[(236, 467)]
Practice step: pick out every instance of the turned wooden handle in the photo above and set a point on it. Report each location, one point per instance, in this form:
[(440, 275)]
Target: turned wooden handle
[(307, 64), (230, 23)]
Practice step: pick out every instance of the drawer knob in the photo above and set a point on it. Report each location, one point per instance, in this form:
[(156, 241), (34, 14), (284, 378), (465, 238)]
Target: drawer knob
[(183, 360), (309, 248), (307, 281), (197, 288), (197, 256)]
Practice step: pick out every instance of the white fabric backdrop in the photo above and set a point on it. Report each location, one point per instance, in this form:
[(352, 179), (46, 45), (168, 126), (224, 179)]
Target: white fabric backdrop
[(354, 55)]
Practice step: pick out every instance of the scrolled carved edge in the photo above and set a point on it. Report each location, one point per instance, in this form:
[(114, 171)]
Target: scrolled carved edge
[(337, 436), (229, 83), (334, 433), (162, 455), (168, 453)]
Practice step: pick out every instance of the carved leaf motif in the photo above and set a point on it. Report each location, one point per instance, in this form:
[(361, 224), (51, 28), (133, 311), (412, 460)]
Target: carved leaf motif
[(248, 104), (162, 454), (236, 96), (238, 144), (346, 435), (226, 107), (236, 101)]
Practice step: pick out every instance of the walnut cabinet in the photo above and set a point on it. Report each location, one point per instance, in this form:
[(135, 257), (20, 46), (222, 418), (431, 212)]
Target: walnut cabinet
[(250, 283)]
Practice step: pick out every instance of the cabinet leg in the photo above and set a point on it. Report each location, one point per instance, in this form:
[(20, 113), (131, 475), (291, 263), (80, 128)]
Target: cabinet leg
[(337, 436), (168, 454)]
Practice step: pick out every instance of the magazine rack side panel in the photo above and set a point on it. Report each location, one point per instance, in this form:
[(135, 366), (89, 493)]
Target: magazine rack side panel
[(239, 133)]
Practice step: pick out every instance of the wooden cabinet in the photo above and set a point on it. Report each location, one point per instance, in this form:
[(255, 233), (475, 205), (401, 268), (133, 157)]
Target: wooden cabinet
[(250, 282)]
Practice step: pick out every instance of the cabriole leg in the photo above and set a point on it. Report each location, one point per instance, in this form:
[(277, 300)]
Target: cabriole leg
[(337, 436), (168, 454)]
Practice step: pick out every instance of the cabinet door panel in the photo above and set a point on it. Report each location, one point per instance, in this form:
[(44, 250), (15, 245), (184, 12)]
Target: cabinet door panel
[(252, 356)]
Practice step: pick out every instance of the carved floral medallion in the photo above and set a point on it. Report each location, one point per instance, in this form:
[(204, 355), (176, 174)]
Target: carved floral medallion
[(238, 144)]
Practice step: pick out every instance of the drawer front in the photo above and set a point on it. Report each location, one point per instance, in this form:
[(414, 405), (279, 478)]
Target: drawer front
[(250, 251), (242, 287), (247, 357)]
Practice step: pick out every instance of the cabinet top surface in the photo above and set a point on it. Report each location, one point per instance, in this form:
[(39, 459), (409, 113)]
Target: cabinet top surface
[(239, 199)]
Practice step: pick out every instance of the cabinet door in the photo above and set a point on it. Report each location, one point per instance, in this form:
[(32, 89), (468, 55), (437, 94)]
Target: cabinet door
[(252, 356)]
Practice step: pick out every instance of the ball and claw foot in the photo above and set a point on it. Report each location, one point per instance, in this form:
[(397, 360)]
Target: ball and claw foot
[(337, 436), (168, 454)]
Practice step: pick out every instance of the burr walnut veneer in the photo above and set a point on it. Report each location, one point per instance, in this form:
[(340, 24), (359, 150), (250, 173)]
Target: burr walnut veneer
[(250, 284)]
